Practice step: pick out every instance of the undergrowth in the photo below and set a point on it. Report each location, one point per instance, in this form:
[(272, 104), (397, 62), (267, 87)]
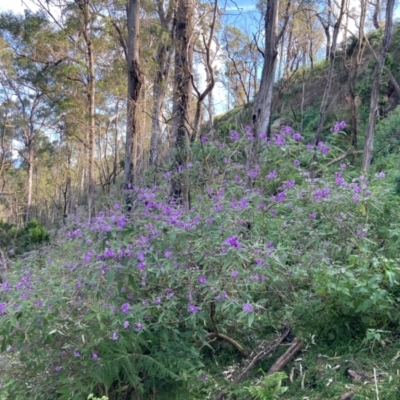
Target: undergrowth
[(165, 302)]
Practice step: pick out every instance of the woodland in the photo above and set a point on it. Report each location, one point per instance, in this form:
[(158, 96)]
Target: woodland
[(200, 199)]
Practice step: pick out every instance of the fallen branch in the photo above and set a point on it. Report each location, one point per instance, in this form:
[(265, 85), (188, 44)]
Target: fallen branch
[(341, 157), (347, 396), (233, 342), (281, 362), (259, 356), (344, 155)]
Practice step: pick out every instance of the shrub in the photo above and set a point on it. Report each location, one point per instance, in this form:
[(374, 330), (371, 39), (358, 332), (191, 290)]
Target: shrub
[(133, 300), (20, 240)]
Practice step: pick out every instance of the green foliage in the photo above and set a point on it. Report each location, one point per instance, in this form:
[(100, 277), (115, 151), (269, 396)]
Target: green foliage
[(270, 388), (131, 301), (387, 135), (20, 240), (92, 397), (223, 131)]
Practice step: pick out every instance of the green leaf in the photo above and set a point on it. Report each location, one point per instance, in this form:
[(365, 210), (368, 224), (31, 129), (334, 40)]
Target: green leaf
[(110, 277), (132, 282), (250, 319)]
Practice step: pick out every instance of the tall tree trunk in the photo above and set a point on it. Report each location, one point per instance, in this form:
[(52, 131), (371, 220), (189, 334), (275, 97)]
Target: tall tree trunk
[(116, 149), (135, 82), (163, 59), (352, 72), (84, 6), (328, 84), (373, 109), (261, 116), (91, 100), (181, 130), (29, 160), (262, 107)]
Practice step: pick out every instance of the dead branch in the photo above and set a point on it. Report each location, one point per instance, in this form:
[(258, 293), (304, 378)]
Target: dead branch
[(281, 362), (347, 396), (259, 356)]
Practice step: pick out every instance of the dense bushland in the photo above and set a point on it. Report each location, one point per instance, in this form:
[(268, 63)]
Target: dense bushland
[(16, 240), (131, 304)]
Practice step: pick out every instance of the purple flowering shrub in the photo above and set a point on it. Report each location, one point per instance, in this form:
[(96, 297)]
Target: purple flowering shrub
[(132, 298)]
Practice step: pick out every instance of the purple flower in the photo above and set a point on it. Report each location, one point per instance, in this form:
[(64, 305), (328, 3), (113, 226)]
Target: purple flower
[(58, 368), (356, 198), (234, 136), (321, 194), (247, 308), (357, 189), (279, 140), (339, 180), (157, 300), (193, 309), (115, 336), (380, 175), (125, 308), (289, 183), (167, 254), (233, 241), (222, 296), (202, 279), (76, 354), (3, 307), (310, 146), (204, 139), (117, 206), (296, 136), (126, 324), (138, 327), (286, 130), (280, 197), (203, 378), (338, 126), (296, 163), (272, 175), (234, 274), (343, 166), (253, 173), (323, 148), (6, 287), (312, 215), (95, 356)]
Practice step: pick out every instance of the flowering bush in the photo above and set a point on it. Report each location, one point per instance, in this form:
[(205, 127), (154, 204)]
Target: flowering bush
[(133, 299)]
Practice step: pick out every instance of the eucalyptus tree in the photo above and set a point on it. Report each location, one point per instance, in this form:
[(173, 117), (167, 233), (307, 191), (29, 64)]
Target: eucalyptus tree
[(262, 106), (23, 80), (239, 67), (135, 82), (163, 58), (206, 32), (78, 24), (182, 97)]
